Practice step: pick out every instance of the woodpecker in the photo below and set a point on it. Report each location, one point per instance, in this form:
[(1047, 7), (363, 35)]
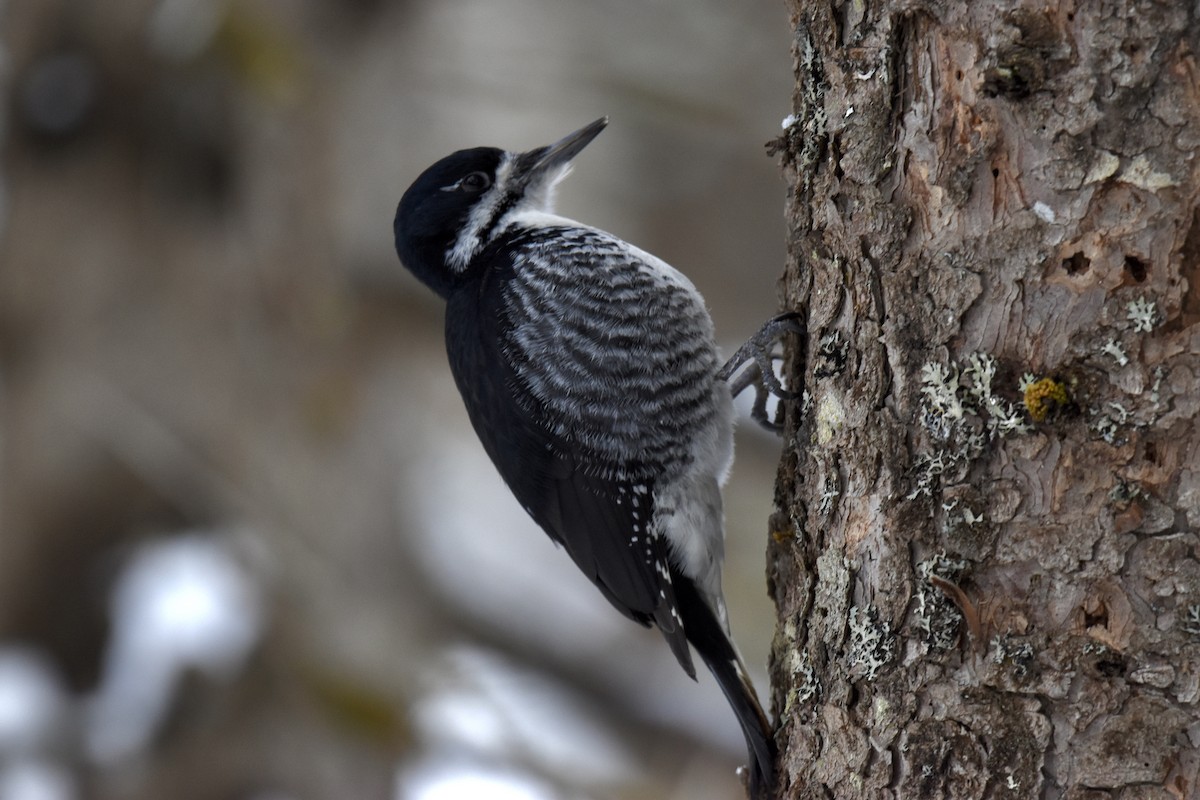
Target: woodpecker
[(590, 374)]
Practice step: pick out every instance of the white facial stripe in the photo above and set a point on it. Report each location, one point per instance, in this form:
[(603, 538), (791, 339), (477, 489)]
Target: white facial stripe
[(468, 242)]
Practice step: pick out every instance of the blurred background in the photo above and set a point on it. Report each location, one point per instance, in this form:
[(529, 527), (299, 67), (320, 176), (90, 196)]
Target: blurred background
[(249, 546)]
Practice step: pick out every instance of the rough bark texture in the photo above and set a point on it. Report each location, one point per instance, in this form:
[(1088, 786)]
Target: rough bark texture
[(986, 556)]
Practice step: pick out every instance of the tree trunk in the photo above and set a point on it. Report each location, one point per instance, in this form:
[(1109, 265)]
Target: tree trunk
[(985, 554)]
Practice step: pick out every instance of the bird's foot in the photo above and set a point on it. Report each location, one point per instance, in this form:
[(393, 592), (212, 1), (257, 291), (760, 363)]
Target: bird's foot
[(758, 356)]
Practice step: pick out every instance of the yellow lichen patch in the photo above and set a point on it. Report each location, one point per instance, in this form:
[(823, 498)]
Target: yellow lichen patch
[(780, 536), (1042, 397)]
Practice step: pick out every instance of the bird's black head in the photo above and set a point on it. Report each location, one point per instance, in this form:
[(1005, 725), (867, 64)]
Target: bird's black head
[(463, 201), (437, 208)]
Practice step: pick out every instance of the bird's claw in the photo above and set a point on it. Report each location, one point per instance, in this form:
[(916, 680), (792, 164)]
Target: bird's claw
[(759, 353)]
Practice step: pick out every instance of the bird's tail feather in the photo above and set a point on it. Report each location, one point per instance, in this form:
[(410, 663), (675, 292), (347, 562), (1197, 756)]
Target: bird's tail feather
[(735, 683), (720, 655)]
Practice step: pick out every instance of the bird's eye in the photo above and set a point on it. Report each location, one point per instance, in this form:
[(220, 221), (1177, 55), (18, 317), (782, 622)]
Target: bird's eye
[(475, 182)]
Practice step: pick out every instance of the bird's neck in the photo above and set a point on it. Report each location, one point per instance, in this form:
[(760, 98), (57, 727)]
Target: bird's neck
[(531, 219)]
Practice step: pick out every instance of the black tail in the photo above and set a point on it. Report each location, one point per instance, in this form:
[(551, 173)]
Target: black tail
[(708, 636)]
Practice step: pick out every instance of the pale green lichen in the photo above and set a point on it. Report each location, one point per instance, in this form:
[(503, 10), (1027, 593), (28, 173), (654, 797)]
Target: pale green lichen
[(1004, 418), (928, 468), (1107, 425), (830, 491), (1113, 348), (872, 645), (1009, 651), (935, 614), (940, 387), (805, 685), (832, 351), (962, 413), (951, 396), (979, 372), (1143, 314)]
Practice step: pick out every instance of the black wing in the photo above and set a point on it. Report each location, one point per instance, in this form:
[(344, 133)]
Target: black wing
[(584, 379)]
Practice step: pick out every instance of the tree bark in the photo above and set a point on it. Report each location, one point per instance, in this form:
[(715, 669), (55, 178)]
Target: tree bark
[(985, 554)]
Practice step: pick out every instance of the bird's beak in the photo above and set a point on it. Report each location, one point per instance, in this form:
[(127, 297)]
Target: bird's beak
[(566, 148), (545, 161)]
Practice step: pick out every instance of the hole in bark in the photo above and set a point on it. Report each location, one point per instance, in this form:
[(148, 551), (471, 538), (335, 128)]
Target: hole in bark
[(958, 75), (1111, 667), (995, 172), (1151, 453), (1099, 618), (1077, 264), (1019, 72), (1136, 268)]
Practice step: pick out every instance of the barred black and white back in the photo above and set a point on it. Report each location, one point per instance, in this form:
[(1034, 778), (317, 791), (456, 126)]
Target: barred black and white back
[(589, 371)]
